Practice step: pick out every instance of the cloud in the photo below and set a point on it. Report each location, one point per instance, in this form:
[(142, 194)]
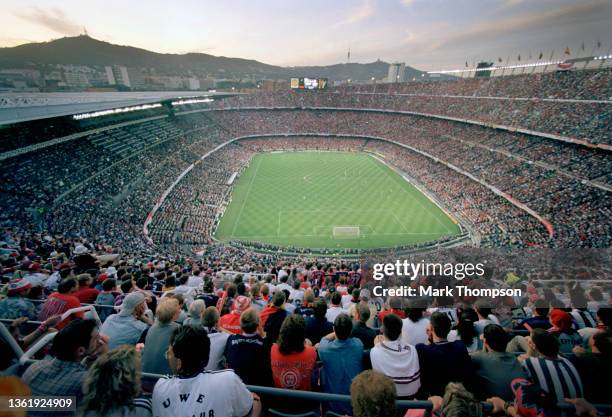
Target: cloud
[(574, 15), (365, 10), (52, 19), (408, 3)]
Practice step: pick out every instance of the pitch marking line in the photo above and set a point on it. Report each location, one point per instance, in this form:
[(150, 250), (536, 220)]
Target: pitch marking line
[(246, 197)]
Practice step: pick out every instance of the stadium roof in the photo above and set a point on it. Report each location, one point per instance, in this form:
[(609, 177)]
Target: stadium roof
[(22, 107)]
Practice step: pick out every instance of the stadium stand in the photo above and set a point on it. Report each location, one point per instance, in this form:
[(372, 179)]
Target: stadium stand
[(127, 211)]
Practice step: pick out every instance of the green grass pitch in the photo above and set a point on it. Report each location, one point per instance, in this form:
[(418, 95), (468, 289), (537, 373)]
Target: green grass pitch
[(297, 198)]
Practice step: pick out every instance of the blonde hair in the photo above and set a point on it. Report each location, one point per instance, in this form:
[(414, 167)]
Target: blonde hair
[(113, 381), (166, 310)]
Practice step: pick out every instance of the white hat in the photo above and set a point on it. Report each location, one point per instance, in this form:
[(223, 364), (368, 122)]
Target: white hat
[(130, 302)]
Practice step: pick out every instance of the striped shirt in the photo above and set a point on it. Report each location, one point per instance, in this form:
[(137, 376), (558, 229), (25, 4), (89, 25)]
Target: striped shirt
[(555, 376)]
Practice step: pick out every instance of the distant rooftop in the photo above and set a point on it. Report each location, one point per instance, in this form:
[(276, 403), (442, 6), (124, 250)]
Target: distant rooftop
[(22, 107)]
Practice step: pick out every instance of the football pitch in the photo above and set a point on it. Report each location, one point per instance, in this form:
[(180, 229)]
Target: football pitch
[(329, 200)]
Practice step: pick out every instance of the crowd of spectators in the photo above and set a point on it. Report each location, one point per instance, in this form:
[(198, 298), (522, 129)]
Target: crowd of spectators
[(573, 104), (295, 326)]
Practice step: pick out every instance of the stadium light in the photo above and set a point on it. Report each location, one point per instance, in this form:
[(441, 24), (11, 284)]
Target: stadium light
[(192, 101), (115, 111)]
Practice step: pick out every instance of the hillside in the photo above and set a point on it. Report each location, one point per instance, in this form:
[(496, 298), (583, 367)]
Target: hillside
[(84, 50)]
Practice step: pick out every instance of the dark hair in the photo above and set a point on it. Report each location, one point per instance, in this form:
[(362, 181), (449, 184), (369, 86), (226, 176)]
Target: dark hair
[(343, 326), (284, 278), (75, 335), (170, 281), (209, 286), (605, 316), (546, 343), (241, 288), (603, 342), (292, 334), (541, 307), (231, 291), (392, 326), (83, 279), (127, 285), (336, 298), (465, 326), (66, 285), (278, 299), (183, 279), (109, 284), (142, 283), (191, 345), (320, 308), (496, 337), (441, 324), (414, 313), (364, 312)]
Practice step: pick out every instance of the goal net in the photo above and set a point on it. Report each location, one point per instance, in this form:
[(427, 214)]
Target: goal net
[(346, 232)]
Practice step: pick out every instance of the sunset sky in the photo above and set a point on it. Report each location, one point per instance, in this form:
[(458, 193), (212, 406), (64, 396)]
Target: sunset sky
[(426, 34)]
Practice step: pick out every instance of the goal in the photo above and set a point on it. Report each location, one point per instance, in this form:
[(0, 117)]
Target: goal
[(346, 232)]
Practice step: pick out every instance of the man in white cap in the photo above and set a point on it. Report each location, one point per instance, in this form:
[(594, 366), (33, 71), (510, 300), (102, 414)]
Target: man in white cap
[(126, 327)]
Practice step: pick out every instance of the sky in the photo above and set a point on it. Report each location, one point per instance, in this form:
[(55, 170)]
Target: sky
[(425, 34)]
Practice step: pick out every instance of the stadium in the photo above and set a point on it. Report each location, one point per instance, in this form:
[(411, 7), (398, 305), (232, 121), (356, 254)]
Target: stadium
[(210, 253)]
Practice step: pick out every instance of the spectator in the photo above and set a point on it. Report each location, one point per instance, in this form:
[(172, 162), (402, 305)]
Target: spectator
[(16, 304), (342, 359), (364, 299), (245, 352), (466, 331), (291, 352), (595, 366), (274, 317), (194, 392), (373, 395), (106, 298), (442, 361), (158, 337), (86, 293), (278, 300), (398, 361), (317, 325), (395, 307), (540, 320), (553, 373), (414, 326), (218, 338), (61, 301), (84, 260), (112, 386), (495, 368), (127, 327), (336, 307), (360, 329), (562, 329), (231, 322), (457, 401), (292, 360), (75, 346), (196, 309)]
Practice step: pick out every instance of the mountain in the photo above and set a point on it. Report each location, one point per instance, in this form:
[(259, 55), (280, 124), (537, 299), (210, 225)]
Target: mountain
[(84, 50)]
